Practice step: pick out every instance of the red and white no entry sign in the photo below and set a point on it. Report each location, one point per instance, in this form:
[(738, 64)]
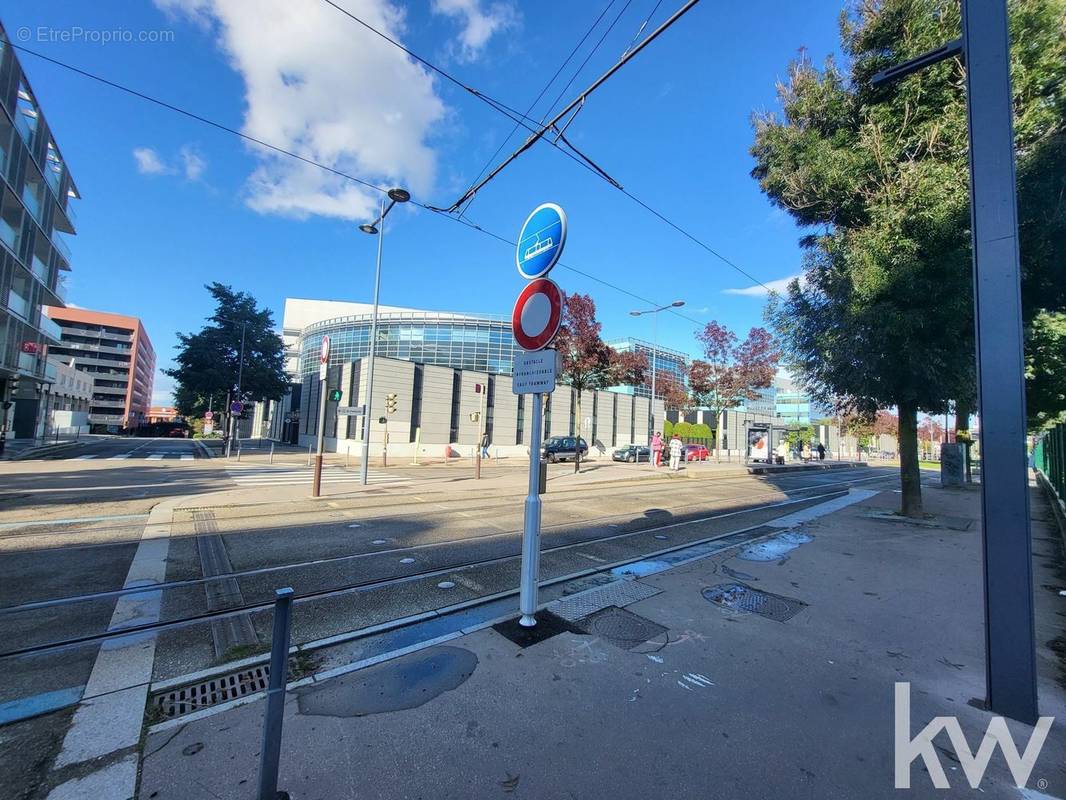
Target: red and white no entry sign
[(537, 314), (323, 356)]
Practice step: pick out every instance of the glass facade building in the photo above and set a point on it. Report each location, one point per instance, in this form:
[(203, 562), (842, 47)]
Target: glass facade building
[(35, 215), (481, 343), (671, 363)]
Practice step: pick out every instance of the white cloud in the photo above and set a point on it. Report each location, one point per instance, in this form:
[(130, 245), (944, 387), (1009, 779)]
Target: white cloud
[(479, 23), (193, 163), (318, 84), (149, 162), (780, 286)]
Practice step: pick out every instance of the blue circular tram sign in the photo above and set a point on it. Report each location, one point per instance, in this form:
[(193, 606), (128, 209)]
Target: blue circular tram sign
[(541, 240)]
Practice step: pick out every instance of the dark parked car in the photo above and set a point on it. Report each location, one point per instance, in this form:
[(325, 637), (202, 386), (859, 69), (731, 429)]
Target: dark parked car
[(562, 448), (696, 452), (632, 454)]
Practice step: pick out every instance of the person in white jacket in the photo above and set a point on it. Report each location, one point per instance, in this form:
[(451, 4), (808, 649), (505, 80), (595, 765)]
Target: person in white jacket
[(675, 452)]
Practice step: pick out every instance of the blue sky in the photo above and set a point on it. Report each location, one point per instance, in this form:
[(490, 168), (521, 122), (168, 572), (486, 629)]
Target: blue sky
[(170, 204)]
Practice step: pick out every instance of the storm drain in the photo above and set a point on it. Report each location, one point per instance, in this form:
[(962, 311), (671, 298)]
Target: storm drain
[(185, 700), (616, 593), (621, 628), (738, 597)]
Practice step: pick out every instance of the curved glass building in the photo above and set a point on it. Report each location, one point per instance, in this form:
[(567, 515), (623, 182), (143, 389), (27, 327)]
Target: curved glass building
[(477, 342)]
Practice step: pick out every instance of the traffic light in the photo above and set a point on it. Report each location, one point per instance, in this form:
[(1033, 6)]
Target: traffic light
[(475, 416), (390, 403), (335, 395)]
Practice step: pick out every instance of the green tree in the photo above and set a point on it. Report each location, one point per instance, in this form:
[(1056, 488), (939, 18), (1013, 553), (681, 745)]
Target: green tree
[(668, 428), (883, 316), (209, 361), (1045, 368)]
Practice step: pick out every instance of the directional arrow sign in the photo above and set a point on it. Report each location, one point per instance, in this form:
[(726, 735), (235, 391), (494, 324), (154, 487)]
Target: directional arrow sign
[(537, 314)]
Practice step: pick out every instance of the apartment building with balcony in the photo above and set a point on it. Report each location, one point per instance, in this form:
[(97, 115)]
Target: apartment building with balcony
[(116, 351), (35, 215)]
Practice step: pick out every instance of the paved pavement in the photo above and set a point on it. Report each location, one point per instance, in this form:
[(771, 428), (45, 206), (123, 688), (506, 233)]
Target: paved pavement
[(255, 475), (691, 697)]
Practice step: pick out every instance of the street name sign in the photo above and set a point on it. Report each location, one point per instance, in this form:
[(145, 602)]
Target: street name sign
[(540, 243), (351, 411), (535, 372)]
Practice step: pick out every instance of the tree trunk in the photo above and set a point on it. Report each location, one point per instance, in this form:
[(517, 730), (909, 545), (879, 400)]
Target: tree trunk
[(577, 433), (909, 473)]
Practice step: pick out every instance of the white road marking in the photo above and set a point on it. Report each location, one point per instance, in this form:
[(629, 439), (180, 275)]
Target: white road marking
[(121, 457), (274, 476), (85, 458), (157, 456), (188, 458)]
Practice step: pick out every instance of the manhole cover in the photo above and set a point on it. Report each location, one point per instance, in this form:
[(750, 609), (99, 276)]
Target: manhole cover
[(738, 597), (621, 628), (185, 700)]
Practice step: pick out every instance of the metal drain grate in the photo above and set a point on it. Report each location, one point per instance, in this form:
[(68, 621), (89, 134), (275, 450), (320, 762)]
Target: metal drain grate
[(621, 628), (618, 593), (738, 597), (185, 700)]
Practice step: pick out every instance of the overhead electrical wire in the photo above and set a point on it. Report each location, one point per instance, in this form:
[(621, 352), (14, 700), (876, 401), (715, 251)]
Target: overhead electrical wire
[(518, 123), (311, 162), (538, 133)]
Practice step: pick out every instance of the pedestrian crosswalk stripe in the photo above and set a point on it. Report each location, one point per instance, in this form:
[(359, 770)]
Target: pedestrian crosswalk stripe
[(186, 458), (85, 458), (254, 476), (157, 456), (120, 457)]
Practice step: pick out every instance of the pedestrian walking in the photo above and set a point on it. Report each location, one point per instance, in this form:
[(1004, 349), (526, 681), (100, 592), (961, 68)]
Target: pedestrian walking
[(806, 451), (675, 452), (657, 448), (821, 451)]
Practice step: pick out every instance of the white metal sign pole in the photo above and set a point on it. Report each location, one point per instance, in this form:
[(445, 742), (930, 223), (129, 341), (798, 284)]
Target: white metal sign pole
[(531, 532)]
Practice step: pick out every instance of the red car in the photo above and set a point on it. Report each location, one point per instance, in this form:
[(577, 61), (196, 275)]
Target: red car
[(696, 452)]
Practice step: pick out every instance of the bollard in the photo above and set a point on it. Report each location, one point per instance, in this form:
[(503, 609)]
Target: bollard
[(308, 455), (270, 753), (238, 450), (347, 456), (271, 452)]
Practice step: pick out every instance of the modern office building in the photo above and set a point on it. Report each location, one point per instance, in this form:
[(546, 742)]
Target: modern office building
[(671, 363), (116, 351), (35, 214), (432, 361)]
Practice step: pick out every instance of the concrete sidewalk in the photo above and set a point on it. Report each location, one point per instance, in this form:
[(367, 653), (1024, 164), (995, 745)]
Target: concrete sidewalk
[(677, 696)]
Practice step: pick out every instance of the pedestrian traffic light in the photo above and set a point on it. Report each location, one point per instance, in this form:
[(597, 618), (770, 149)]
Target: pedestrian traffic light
[(390, 403), (478, 388), (335, 395), (475, 416)]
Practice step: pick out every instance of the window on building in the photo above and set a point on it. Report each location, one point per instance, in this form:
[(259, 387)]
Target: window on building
[(26, 114), (11, 221)]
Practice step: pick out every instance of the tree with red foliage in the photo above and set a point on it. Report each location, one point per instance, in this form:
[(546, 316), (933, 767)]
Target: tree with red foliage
[(732, 372), (674, 393), (588, 363)]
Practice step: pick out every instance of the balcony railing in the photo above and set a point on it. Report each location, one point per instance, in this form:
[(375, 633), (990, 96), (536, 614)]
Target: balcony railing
[(18, 303), (61, 287), (61, 245), (49, 328)]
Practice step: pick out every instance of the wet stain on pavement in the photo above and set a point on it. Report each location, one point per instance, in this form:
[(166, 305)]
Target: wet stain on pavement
[(775, 548), (397, 685)]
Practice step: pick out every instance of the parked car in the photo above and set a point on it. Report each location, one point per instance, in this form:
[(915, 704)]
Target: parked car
[(178, 433), (563, 448), (696, 452), (632, 454)]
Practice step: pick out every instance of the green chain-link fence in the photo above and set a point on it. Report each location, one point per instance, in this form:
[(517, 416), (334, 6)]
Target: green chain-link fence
[(1049, 456)]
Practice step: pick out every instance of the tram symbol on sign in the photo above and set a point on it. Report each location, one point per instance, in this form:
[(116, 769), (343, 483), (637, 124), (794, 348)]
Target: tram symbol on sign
[(540, 242), (539, 247)]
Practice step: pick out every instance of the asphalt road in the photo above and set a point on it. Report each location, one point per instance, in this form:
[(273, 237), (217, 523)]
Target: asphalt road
[(69, 528)]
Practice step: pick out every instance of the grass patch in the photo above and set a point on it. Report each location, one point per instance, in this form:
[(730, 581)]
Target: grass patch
[(239, 651)]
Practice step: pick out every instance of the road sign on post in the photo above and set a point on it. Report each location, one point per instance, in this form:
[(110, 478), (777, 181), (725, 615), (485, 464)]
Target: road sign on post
[(535, 321), (323, 358), (541, 241), (537, 314)]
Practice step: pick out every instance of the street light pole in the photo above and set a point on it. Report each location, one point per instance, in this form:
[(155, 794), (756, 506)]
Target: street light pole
[(240, 376), (654, 354), (395, 196)]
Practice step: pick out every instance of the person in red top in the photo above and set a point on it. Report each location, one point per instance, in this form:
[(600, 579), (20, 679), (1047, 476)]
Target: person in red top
[(657, 448)]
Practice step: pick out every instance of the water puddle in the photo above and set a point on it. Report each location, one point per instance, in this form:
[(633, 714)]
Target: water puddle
[(776, 548), (403, 683)]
